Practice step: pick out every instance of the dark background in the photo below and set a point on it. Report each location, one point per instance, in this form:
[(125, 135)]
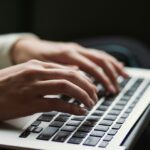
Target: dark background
[(73, 19)]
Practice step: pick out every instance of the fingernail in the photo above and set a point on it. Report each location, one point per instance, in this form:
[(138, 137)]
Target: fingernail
[(127, 76), (84, 111), (121, 64), (91, 104), (95, 97), (112, 89), (117, 87)]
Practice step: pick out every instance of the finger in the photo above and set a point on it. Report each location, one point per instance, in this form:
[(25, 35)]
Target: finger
[(73, 67), (52, 65), (94, 70), (73, 76), (101, 54), (120, 69), (117, 65), (53, 87), (107, 67), (86, 76), (111, 73), (49, 104)]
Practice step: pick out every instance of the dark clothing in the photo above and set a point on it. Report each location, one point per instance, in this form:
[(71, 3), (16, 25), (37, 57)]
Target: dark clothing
[(131, 52)]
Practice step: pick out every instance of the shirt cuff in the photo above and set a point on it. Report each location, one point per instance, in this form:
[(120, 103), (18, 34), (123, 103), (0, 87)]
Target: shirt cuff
[(6, 43)]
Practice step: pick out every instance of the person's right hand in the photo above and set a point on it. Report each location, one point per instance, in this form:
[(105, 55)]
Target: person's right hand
[(23, 87)]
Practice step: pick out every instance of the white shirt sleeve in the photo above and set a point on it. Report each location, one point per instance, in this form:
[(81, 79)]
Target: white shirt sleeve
[(6, 43)]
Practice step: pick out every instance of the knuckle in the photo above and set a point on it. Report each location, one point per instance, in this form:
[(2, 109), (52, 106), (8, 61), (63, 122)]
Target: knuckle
[(91, 88), (33, 61), (66, 52), (104, 61), (107, 81), (64, 85), (72, 74), (94, 68), (31, 70), (73, 44), (84, 96)]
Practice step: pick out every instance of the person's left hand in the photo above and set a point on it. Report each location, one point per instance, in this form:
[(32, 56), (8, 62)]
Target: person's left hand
[(102, 66)]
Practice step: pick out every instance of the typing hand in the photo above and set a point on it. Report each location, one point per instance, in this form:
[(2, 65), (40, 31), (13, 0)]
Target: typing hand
[(23, 87), (102, 66)]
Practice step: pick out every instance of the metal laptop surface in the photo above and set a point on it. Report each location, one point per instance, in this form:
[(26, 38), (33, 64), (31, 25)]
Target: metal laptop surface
[(11, 130)]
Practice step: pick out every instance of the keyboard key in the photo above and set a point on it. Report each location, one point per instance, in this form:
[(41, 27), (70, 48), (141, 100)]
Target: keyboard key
[(137, 99), (85, 129), (106, 122), (45, 118), (128, 110), (75, 140), (61, 136), (74, 123), (125, 98), (112, 132), (30, 128), (114, 112), (61, 118), (123, 103), (110, 117), (108, 138), (52, 113), (95, 82), (65, 97), (97, 113), (25, 133), (102, 128), (101, 92), (109, 98), (68, 128), (93, 118), (120, 120), (65, 114), (139, 80), (118, 107), (78, 118), (124, 115), (132, 105), (103, 144), (47, 133), (102, 108), (37, 129), (36, 123), (123, 83), (57, 124), (129, 93), (116, 126), (89, 123), (77, 102), (107, 102), (97, 133), (80, 134), (92, 141)]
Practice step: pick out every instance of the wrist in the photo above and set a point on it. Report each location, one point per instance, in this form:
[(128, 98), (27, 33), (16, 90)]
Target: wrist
[(19, 49)]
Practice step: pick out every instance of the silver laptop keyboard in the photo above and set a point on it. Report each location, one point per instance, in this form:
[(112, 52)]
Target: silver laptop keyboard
[(97, 128)]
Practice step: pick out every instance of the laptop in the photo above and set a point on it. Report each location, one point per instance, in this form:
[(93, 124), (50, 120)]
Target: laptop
[(114, 123)]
